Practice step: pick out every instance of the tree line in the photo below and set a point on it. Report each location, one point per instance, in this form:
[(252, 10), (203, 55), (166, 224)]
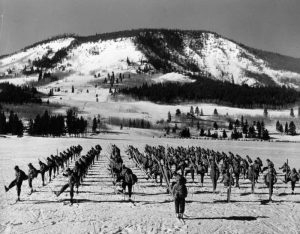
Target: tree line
[(44, 125), (208, 90), (10, 93), (289, 128), (13, 125), (129, 122)]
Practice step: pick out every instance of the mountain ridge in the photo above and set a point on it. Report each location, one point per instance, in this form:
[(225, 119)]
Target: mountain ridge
[(168, 50)]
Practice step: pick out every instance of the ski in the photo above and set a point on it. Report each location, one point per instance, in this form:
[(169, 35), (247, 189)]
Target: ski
[(15, 202), (132, 202), (68, 203), (181, 220), (163, 171)]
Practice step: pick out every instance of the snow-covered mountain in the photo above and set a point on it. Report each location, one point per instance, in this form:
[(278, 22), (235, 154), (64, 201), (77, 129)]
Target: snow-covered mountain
[(153, 50)]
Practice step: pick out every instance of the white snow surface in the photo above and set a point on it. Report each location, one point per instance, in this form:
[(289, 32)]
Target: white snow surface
[(108, 55), (20, 80), (98, 209), (224, 59), (18, 60), (173, 77)]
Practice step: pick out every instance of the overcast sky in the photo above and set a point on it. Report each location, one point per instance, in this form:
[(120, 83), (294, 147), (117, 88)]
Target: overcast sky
[(272, 25)]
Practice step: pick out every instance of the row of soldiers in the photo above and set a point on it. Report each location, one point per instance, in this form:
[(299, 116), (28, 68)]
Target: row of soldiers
[(79, 171), (120, 173), (52, 164), (200, 161)]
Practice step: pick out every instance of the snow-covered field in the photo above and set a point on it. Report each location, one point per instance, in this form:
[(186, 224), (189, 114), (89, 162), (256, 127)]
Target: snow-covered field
[(105, 106), (99, 210)]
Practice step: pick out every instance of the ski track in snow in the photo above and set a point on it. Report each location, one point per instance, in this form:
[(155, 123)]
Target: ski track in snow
[(97, 209)]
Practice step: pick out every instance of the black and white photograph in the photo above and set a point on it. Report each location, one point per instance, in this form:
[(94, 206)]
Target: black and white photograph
[(149, 116)]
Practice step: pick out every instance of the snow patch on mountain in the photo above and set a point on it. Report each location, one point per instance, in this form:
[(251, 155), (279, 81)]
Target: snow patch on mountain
[(173, 77), (18, 60), (226, 60), (109, 55)]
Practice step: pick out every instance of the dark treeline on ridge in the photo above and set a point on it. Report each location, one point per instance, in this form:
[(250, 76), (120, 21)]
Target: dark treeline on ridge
[(207, 90), (16, 94)]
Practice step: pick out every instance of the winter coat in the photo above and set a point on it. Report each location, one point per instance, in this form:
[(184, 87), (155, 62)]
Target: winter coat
[(294, 176), (43, 167), (226, 179), (20, 176), (32, 172), (214, 172), (71, 176), (179, 190), (268, 175)]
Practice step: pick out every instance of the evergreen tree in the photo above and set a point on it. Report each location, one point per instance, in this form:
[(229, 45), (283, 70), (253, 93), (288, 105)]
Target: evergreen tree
[(230, 127), (259, 129), (265, 135), (169, 117), (197, 112), (215, 125), (280, 128), (292, 113), (185, 133), (208, 133), (40, 76), (234, 134), (95, 125), (215, 111), (224, 134), (15, 125), (201, 112), (178, 112), (286, 128), (198, 125), (202, 133), (73, 89), (192, 110), (245, 128), (3, 124), (292, 129), (175, 128), (265, 112), (277, 125), (251, 132)]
